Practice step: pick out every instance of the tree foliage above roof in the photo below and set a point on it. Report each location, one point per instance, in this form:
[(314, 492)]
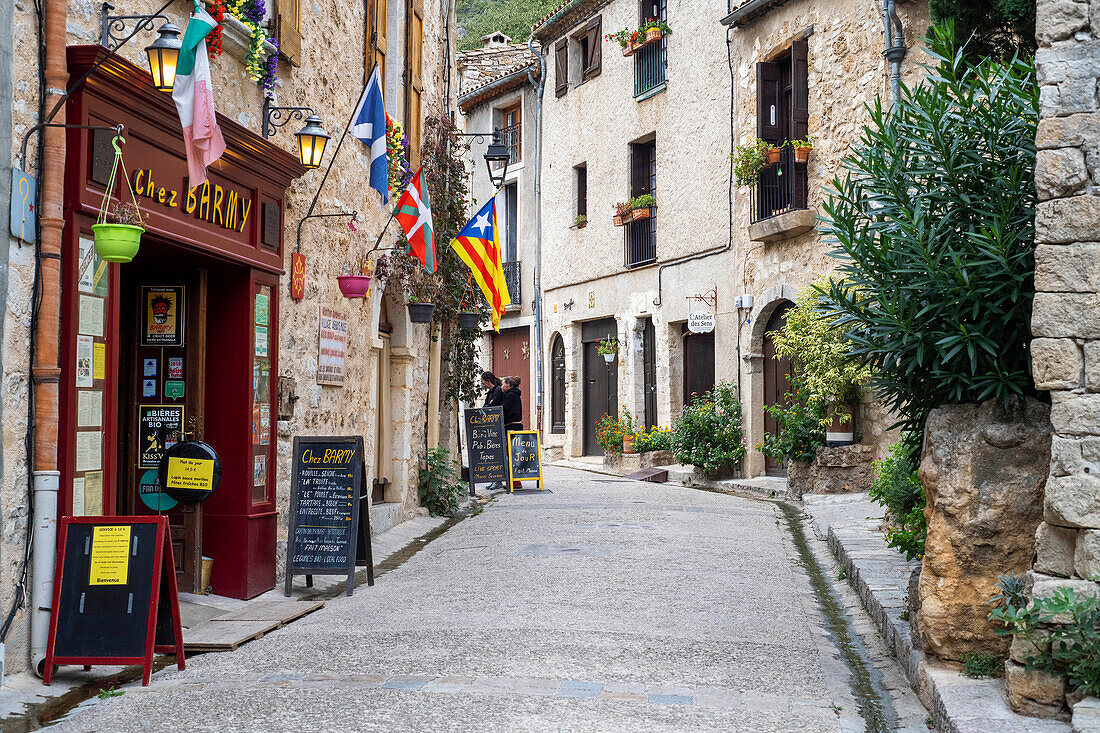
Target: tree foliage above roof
[(999, 27), (514, 18)]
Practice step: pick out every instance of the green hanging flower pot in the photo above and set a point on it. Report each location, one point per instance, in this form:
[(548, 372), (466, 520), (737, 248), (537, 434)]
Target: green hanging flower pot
[(117, 242)]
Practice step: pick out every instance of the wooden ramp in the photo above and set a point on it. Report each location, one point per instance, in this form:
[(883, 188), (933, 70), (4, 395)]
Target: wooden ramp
[(653, 475), (229, 630)]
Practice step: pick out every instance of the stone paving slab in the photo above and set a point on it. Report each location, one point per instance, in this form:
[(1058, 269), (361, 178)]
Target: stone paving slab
[(880, 575)]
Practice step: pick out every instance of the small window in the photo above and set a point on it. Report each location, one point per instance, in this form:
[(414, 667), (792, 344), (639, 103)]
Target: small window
[(641, 242), (512, 130), (782, 113), (580, 177)]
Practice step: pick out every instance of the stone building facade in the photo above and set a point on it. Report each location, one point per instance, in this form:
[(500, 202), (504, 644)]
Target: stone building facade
[(498, 92), (327, 54), (665, 121), (1066, 347)]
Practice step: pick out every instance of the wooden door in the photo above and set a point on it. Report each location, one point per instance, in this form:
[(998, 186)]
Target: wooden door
[(512, 357), (163, 374), (698, 365), (649, 372), (776, 383), (600, 395)]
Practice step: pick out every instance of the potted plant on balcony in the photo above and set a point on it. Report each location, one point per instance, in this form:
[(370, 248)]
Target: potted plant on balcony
[(117, 235), (607, 348), (749, 160), (641, 206), (773, 153), (581, 221), (422, 289), (624, 213), (627, 40), (355, 282), (654, 29), (802, 148)]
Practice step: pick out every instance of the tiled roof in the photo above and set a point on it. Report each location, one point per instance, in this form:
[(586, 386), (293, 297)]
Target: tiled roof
[(746, 11), (557, 21), (480, 66), (506, 80)]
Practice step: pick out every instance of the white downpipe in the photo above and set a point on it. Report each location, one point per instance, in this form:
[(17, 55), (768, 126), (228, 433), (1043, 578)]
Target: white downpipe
[(44, 554)]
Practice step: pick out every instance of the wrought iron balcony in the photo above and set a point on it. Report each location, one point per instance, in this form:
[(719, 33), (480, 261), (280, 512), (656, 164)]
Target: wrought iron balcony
[(513, 278), (649, 68), (781, 188), (641, 240)]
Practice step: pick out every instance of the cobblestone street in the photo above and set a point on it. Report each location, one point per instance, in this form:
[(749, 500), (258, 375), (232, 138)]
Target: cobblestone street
[(602, 604)]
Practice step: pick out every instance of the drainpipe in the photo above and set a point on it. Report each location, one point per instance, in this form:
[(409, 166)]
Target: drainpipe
[(894, 37), (538, 84), (46, 371)]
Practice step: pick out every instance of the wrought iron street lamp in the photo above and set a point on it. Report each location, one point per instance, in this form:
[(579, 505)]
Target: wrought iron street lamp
[(163, 53), (312, 138), (497, 153)]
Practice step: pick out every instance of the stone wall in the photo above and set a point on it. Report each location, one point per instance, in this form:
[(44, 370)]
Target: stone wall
[(1066, 315), (330, 80)]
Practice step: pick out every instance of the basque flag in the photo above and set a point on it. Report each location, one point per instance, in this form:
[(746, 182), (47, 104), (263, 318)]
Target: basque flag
[(414, 214), (369, 125)]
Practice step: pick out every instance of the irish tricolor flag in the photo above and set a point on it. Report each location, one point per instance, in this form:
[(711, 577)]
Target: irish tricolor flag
[(194, 98)]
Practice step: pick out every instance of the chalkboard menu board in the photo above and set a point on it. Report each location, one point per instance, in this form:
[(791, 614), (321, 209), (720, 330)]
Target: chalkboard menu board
[(485, 445), (329, 480), (524, 457), (115, 596)]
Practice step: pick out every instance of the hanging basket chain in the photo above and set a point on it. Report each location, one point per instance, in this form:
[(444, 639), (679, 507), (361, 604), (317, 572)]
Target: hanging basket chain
[(116, 164)]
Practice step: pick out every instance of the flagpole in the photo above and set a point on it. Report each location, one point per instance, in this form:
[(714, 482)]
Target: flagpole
[(331, 161)]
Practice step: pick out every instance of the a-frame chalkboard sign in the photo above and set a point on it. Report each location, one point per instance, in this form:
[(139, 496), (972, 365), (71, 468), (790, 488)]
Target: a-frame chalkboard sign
[(329, 478), (114, 594)]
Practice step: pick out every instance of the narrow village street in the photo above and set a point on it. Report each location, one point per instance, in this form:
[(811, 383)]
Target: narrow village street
[(601, 604)]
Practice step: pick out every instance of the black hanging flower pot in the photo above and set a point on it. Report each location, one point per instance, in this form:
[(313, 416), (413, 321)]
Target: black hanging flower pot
[(468, 321), (421, 312)]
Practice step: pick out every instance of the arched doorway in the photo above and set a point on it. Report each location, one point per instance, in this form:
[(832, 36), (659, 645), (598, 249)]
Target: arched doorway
[(776, 383), (557, 385)]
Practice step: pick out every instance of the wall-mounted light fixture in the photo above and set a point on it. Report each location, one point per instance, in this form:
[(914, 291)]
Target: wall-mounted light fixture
[(312, 138), (496, 153), (163, 53)]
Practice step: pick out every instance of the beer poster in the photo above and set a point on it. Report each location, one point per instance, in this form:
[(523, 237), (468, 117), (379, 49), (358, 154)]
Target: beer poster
[(162, 315)]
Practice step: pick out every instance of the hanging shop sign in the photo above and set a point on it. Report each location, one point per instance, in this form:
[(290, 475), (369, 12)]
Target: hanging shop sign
[(162, 309), (485, 445), (114, 595), (190, 471), (297, 275), (524, 457), (701, 322), (332, 344), (222, 206), (23, 190), (329, 478), (159, 428)]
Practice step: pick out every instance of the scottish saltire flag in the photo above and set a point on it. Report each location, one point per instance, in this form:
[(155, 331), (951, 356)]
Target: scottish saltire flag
[(369, 125), (194, 98), (478, 244), (414, 214)]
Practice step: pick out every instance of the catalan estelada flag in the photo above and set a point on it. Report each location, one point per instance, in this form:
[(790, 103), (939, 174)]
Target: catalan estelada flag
[(478, 244), (414, 214)]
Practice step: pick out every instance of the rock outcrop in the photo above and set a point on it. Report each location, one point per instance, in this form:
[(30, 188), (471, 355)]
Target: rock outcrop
[(984, 469)]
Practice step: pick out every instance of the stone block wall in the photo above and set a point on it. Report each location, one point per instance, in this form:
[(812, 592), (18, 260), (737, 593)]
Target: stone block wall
[(1066, 315)]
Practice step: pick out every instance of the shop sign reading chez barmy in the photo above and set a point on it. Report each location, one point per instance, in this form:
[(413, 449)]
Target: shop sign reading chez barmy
[(213, 203), (332, 345)]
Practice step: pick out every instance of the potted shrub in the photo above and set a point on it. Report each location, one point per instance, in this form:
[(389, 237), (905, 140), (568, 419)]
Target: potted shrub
[(581, 221), (773, 153), (654, 29), (641, 206), (355, 282), (118, 236), (624, 213), (748, 161), (842, 422), (627, 40), (802, 148), (607, 348)]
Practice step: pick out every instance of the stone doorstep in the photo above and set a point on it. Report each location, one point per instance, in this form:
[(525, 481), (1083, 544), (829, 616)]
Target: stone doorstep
[(880, 576)]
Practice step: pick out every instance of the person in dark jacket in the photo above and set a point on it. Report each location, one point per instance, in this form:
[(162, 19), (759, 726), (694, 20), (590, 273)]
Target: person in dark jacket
[(493, 392), (512, 402)]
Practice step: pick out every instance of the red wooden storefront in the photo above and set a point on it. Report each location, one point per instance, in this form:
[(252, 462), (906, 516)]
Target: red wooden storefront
[(214, 255)]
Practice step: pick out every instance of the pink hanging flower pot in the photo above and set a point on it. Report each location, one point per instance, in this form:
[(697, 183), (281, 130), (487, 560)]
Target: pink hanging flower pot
[(354, 286)]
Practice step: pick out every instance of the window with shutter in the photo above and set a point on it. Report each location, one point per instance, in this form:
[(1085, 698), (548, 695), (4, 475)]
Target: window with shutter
[(650, 60), (770, 115), (289, 30), (414, 84), (561, 67), (512, 130), (595, 47), (376, 38), (782, 113), (581, 175)]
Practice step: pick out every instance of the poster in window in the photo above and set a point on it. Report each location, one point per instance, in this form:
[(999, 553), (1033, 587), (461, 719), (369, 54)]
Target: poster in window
[(90, 315), (332, 347), (92, 271), (89, 450), (159, 428), (259, 470), (84, 356), (162, 315)]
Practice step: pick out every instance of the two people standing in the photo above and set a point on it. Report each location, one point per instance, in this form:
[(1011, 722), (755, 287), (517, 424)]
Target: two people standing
[(504, 393)]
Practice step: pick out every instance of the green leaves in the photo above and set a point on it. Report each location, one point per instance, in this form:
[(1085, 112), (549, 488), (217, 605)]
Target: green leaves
[(708, 432), (933, 222)]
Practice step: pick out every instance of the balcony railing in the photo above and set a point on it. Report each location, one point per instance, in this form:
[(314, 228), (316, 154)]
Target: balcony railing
[(512, 136), (514, 280), (781, 188), (641, 240), (649, 68)]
